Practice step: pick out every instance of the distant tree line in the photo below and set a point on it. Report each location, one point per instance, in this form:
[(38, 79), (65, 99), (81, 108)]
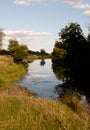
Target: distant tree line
[(39, 53), (18, 51)]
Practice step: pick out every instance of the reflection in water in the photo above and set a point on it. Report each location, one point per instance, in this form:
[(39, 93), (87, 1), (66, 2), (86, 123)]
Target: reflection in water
[(75, 80), (42, 62), (41, 80), (58, 70)]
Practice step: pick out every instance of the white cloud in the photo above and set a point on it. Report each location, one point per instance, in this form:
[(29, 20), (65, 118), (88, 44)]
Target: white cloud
[(82, 6), (34, 40), (21, 2), (71, 1), (87, 13), (79, 4), (24, 36), (26, 2)]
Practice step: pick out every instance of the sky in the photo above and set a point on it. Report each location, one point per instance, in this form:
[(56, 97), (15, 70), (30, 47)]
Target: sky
[(36, 23)]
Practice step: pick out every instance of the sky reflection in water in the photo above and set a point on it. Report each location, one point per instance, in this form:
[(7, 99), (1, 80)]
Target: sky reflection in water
[(41, 79)]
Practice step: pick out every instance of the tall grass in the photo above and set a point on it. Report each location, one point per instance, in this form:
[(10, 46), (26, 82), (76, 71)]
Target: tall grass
[(24, 113), (9, 71), (73, 101)]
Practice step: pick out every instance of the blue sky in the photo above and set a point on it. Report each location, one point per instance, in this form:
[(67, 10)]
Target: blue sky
[(36, 23)]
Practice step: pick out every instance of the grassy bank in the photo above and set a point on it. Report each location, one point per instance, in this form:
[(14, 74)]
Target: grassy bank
[(19, 111), (9, 74), (25, 113)]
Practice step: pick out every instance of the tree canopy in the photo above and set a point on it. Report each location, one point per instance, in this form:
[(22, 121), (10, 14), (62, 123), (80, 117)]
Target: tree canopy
[(18, 51), (76, 59), (1, 37)]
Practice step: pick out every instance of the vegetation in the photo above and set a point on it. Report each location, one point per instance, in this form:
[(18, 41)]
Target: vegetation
[(9, 71), (19, 52), (38, 53), (75, 57), (18, 110), (33, 113), (1, 37)]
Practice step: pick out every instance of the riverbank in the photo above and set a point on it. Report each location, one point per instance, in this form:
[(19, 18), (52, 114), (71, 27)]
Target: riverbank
[(18, 110), (27, 113), (10, 73)]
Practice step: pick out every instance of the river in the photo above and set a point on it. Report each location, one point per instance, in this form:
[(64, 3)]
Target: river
[(40, 79)]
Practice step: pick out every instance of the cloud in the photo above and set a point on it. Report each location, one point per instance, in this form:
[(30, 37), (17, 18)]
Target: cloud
[(87, 13), (21, 2), (26, 2), (82, 6), (34, 40), (71, 1), (25, 36), (79, 4)]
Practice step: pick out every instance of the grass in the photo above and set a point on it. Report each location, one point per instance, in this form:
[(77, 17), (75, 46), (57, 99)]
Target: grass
[(25, 113), (9, 72), (18, 111)]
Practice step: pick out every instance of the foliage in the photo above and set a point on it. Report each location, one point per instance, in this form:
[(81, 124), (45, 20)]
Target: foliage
[(42, 51), (58, 53), (58, 56), (76, 60), (1, 37), (4, 52), (19, 52), (73, 40), (13, 45), (78, 54)]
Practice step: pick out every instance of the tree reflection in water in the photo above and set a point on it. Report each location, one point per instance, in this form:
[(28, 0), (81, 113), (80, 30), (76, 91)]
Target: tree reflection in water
[(42, 62), (73, 80)]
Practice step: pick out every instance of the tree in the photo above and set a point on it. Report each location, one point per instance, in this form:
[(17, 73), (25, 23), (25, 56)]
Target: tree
[(74, 43), (19, 52), (77, 57), (58, 51), (1, 37), (13, 45), (19, 55), (58, 56), (42, 51)]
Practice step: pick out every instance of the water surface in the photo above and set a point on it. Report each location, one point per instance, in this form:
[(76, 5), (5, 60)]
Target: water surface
[(41, 79)]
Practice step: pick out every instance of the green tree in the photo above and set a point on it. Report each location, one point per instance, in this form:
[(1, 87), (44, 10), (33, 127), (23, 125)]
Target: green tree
[(13, 45), (76, 60), (42, 51), (73, 42), (2, 35), (58, 56), (58, 51), (19, 52)]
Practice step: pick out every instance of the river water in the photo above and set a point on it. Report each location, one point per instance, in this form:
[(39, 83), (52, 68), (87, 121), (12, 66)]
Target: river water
[(40, 79)]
